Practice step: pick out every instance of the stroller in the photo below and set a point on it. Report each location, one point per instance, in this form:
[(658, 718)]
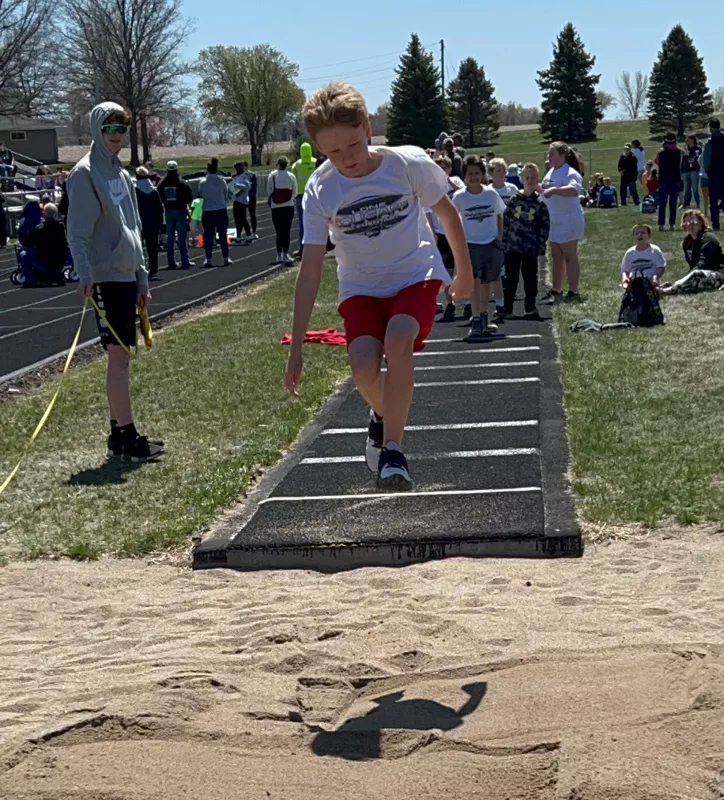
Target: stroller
[(32, 273)]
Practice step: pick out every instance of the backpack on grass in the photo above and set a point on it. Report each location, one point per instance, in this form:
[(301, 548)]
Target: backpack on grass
[(640, 304), (649, 205)]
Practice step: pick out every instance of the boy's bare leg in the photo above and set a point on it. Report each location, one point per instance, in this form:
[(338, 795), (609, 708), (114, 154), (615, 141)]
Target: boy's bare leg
[(476, 299), (118, 385), (498, 289), (365, 360), (402, 331), (486, 289)]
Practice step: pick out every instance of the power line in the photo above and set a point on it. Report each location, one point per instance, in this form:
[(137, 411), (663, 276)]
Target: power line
[(348, 74), (364, 58)]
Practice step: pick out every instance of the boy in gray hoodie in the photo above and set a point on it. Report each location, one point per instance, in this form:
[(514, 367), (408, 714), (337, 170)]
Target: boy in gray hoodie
[(104, 234)]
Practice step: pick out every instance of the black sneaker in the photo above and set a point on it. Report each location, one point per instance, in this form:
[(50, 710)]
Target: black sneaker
[(573, 297), (477, 331), (449, 315), (552, 297), (532, 314), (375, 440), (468, 312), (500, 314), (115, 445), (488, 327), (141, 449), (393, 474)]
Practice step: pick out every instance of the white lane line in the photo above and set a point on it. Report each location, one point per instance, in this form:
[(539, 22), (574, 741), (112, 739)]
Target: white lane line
[(398, 495), (529, 349), (255, 276), (453, 426), (492, 365), (503, 452), (501, 338), (488, 382)]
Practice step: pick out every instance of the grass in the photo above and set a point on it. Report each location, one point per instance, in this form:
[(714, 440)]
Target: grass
[(644, 407), (212, 388)]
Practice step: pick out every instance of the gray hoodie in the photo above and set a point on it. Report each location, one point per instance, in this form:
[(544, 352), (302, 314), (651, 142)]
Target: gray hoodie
[(104, 229)]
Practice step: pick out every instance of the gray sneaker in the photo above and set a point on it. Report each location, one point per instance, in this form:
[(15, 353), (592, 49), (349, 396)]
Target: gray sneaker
[(488, 327), (477, 330)]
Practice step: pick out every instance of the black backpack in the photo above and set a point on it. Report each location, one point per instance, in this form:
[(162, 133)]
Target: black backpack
[(640, 304)]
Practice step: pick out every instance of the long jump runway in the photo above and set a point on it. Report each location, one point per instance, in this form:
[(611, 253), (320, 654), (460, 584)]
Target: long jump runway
[(488, 454), (37, 325)]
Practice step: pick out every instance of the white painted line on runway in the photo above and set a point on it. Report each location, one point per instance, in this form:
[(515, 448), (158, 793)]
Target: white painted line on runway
[(399, 495), (492, 365), (453, 426), (500, 453), (500, 338), (490, 381), (477, 352)]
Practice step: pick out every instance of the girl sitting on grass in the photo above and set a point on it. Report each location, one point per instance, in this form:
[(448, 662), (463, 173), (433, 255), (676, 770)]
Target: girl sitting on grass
[(703, 254)]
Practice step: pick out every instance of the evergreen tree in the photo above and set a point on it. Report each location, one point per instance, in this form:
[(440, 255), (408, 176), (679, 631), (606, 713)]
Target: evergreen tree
[(417, 112), (571, 110), (678, 94), (472, 106)]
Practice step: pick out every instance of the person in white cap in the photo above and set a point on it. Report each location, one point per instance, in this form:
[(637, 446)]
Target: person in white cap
[(176, 196)]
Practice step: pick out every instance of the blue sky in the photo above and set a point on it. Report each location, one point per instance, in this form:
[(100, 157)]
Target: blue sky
[(511, 46)]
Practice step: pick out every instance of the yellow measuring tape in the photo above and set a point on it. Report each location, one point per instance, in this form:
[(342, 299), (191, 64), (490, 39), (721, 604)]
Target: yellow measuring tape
[(147, 334)]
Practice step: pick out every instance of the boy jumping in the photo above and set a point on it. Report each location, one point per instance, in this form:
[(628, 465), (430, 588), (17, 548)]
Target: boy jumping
[(370, 200)]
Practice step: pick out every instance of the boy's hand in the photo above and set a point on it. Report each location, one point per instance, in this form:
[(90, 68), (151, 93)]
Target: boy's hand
[(294, 372), (461, 286), (85, 289), (143, 295)]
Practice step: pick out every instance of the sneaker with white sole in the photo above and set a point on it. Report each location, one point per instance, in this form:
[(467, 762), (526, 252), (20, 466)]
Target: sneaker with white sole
[(393, 474), (228, 262), (140, 450), (375, 440)]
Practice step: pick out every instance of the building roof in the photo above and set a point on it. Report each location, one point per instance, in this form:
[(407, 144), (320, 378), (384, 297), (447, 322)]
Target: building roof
[(26, 124)]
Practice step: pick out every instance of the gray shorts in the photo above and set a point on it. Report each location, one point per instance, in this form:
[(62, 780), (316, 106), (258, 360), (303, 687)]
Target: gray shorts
[(487, 260)]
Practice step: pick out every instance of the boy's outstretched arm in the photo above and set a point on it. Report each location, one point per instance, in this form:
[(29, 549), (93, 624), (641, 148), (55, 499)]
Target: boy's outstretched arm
[(305, 294), (462, 285)]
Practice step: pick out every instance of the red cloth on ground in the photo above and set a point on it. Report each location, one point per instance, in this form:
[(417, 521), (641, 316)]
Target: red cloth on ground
[(330, 336)]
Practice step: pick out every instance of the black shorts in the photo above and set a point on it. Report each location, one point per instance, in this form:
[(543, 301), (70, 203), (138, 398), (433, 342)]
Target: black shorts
[(447, 255), (117, 300)]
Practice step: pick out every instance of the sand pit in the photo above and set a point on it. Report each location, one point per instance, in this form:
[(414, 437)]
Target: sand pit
[(599, 679)]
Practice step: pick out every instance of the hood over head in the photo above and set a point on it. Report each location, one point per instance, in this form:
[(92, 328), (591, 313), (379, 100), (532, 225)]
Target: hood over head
[(97, 117), (305, 151)]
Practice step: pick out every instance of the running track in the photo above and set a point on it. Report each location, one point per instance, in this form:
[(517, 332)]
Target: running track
[(36, 324)]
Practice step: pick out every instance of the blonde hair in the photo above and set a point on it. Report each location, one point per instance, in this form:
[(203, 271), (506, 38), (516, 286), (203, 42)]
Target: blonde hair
[(497, 162), (531, 166), (644, 225), (335, 104), (443, 161)]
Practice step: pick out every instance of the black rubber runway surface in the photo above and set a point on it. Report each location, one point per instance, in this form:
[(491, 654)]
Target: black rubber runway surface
[(487, 451), (36, 324)]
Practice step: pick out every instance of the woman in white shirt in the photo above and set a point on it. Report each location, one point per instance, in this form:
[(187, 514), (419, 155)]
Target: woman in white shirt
[(562, 187), (282, 190)]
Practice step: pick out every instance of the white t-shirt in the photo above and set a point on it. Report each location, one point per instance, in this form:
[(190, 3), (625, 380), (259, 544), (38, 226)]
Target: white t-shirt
[(645, 261), (454, 185), (640, 158), (507, 191), (479, 213), (383, 241), (563, 176)]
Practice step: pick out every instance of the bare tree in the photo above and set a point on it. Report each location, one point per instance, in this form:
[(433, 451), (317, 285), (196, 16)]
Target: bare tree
[(251, 88), (717, 97), (128, 51), (512, 113), (632, 93), (26, 74)]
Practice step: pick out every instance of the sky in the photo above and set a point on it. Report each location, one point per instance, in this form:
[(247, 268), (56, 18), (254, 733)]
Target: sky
[(363, 46)]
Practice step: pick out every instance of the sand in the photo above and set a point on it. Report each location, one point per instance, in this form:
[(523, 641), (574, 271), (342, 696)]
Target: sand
[(597, 679)]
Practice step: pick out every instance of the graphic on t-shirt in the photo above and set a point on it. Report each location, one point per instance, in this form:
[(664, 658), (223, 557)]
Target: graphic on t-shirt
[(371, 216), (479, 213), (527, 214), (170, 192)]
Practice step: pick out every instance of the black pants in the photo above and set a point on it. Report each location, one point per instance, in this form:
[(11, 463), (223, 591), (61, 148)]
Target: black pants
[(283, 219), (3, 228), (252, 213), (626, 186), (215, 222), (515, 265), (240, 220), (150, 239)]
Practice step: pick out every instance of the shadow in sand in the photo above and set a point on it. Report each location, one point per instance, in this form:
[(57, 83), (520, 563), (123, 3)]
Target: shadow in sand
[(360, 738), (109, 473)]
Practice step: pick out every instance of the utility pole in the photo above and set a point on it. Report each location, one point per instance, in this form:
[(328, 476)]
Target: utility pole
[(442, 65)]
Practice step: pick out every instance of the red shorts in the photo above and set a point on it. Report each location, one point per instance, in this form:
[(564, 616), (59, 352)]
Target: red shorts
[(369, 316)]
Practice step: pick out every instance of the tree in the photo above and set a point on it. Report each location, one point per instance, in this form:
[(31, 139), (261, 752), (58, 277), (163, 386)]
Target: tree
[(678, 95), (604, 100), (512, 113), (417, 111), (128, 51), (251, 88), (472, 106), (718, 99), (632, 93), (378, 120), (570, 107), (26, 60)]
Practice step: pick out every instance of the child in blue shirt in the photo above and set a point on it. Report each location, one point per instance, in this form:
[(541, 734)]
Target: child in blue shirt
[(607, 195)]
